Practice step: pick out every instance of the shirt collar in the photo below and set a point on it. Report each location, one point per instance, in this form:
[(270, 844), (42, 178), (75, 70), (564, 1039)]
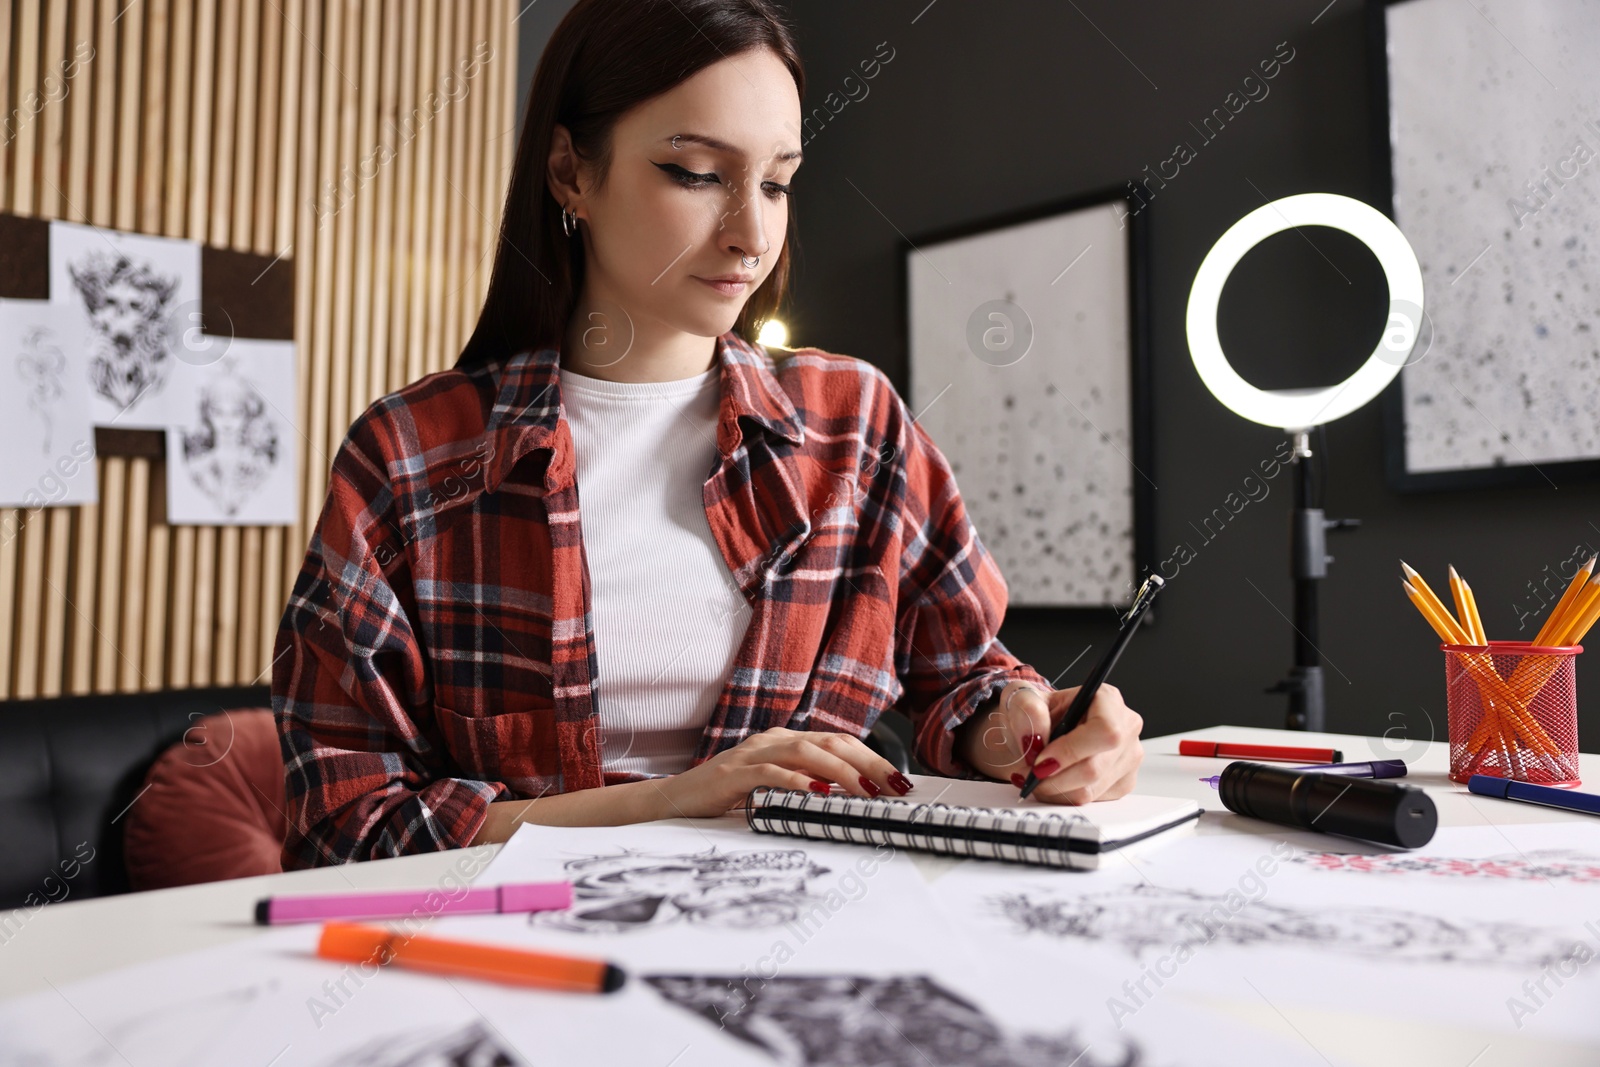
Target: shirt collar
[(527, 407)]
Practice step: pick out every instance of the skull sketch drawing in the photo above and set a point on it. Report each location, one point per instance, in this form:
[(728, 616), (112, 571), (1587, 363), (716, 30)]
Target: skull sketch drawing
[(128, 305)]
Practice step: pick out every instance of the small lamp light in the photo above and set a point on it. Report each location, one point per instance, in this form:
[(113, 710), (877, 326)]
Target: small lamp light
[(773, 332), (1297, 411)]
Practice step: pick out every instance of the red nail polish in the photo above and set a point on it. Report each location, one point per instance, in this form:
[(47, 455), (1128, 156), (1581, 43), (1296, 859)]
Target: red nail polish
[(1045, 768), (820, 787), (900, 782), (870, 786), (1031, 746), (1018, 780)]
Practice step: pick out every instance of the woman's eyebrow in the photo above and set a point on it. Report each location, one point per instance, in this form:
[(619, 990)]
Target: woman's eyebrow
[(723, 146)]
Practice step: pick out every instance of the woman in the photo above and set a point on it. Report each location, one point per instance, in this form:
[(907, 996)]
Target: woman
[(771, 552)]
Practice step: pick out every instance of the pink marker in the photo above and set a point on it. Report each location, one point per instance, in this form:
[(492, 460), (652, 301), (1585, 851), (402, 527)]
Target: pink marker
[(401, 903)]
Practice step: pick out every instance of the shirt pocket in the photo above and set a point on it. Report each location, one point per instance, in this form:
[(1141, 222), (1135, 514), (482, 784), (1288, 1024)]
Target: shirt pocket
[(517, 746)]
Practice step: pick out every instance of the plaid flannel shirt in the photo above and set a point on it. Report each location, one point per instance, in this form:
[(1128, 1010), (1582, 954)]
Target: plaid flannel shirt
[(437, 651)]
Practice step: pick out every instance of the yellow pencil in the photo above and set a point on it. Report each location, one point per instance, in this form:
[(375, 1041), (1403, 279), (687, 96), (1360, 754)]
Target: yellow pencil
[(1498, 723), (1458, 593), (1472, 610), (1432, 598), (1440, 623), (1553, 626), (1583, 614)]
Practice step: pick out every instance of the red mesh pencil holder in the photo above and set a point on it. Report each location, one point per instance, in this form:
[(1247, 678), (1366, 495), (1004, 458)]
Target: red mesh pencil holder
[(1513, 711)]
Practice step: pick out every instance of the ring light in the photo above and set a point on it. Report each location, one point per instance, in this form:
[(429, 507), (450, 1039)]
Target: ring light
[(1302, 409), (1297, 411)]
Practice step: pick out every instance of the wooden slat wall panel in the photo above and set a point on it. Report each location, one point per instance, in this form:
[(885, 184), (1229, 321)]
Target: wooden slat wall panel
[(298, 129), (10, 518), (144, 604), (53, 633)]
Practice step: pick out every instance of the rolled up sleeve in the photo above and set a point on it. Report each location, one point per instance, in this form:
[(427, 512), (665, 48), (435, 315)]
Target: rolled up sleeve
[(951, 602), (365, 772)]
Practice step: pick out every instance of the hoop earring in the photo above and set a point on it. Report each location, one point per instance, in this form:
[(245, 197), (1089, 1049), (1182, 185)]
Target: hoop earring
[(569, 221), (748, 262)]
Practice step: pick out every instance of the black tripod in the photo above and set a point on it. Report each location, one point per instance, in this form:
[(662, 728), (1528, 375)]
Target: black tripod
[(1308, 565)]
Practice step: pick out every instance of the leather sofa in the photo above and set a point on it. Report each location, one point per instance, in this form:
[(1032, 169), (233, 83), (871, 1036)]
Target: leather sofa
[(70, 767)]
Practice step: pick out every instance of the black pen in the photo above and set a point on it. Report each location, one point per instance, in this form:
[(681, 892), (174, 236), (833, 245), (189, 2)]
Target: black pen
[(1102, 670)]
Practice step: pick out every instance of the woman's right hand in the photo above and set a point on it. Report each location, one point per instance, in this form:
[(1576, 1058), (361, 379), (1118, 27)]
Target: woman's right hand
[(820, 761)]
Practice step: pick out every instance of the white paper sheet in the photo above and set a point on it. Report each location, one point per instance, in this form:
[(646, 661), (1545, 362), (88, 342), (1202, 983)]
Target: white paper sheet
[(658, 896), (135, 296), (1431, 933), (45, 432), (881, 978), (232, 451), (269, 1000)]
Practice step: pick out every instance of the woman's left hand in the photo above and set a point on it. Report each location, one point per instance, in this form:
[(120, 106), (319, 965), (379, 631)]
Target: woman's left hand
[(1097, 760)]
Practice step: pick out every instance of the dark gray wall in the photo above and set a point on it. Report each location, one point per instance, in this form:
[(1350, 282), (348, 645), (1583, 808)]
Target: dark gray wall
[(995, 106)]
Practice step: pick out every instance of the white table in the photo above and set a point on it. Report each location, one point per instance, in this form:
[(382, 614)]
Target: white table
[(75, 939)]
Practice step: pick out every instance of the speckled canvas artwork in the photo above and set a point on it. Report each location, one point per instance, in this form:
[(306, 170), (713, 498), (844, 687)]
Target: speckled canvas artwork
[(1495, 120), (1020, 372)]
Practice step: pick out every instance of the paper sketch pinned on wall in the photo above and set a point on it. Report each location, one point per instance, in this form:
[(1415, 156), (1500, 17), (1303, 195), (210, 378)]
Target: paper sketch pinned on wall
[(232, 451), (133, 293), (45, 433)]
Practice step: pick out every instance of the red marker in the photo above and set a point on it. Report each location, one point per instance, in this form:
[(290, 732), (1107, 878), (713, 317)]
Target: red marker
[(1287, 753)]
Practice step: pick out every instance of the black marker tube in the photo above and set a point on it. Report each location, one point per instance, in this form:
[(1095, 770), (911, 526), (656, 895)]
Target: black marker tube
[(1387, 812)]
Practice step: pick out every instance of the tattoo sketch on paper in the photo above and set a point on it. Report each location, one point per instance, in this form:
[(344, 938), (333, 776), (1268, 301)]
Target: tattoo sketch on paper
[(451, 1045), (128, 305), (42, 367), (844, 1021), (743, 889), (1146, 916), (1573, 866), (234, 446)]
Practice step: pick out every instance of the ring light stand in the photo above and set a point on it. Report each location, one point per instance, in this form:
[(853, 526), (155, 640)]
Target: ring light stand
[(1298, 411)]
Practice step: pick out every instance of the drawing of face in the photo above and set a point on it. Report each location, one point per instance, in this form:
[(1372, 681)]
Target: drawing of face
[(634, 891), (124, 311), (228, 412), (128, 304), (235, 447)]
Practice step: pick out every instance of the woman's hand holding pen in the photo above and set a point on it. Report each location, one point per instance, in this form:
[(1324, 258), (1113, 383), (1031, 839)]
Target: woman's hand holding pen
[(789, 759), (1098, 760)]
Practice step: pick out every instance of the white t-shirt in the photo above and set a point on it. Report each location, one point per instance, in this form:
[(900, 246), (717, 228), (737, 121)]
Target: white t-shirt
[(668, 618)]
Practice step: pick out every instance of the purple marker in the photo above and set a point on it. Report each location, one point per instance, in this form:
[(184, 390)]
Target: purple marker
[(1381, 768)]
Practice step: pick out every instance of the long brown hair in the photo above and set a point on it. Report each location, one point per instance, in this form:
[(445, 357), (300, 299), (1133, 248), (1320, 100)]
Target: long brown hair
[(605, 57)]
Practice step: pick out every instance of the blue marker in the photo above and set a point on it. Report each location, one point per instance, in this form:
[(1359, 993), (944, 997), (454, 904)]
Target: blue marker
[(1382, 768), (1489, 785)]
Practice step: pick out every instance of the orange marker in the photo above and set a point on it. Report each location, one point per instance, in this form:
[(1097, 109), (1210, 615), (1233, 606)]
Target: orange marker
[(358, 943)]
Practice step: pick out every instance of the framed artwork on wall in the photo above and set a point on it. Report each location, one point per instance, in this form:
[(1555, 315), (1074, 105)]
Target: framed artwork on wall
[(1487, 155), (1029, 368)]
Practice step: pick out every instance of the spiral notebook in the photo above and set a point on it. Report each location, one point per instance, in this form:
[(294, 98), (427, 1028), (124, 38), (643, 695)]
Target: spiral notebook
[(979, 819)]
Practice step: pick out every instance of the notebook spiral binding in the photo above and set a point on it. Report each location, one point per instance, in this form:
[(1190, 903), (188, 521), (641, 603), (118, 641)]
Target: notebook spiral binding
[(950, 829)]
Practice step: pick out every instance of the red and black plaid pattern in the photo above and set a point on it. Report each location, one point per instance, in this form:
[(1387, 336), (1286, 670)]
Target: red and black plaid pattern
[(437, 652)]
